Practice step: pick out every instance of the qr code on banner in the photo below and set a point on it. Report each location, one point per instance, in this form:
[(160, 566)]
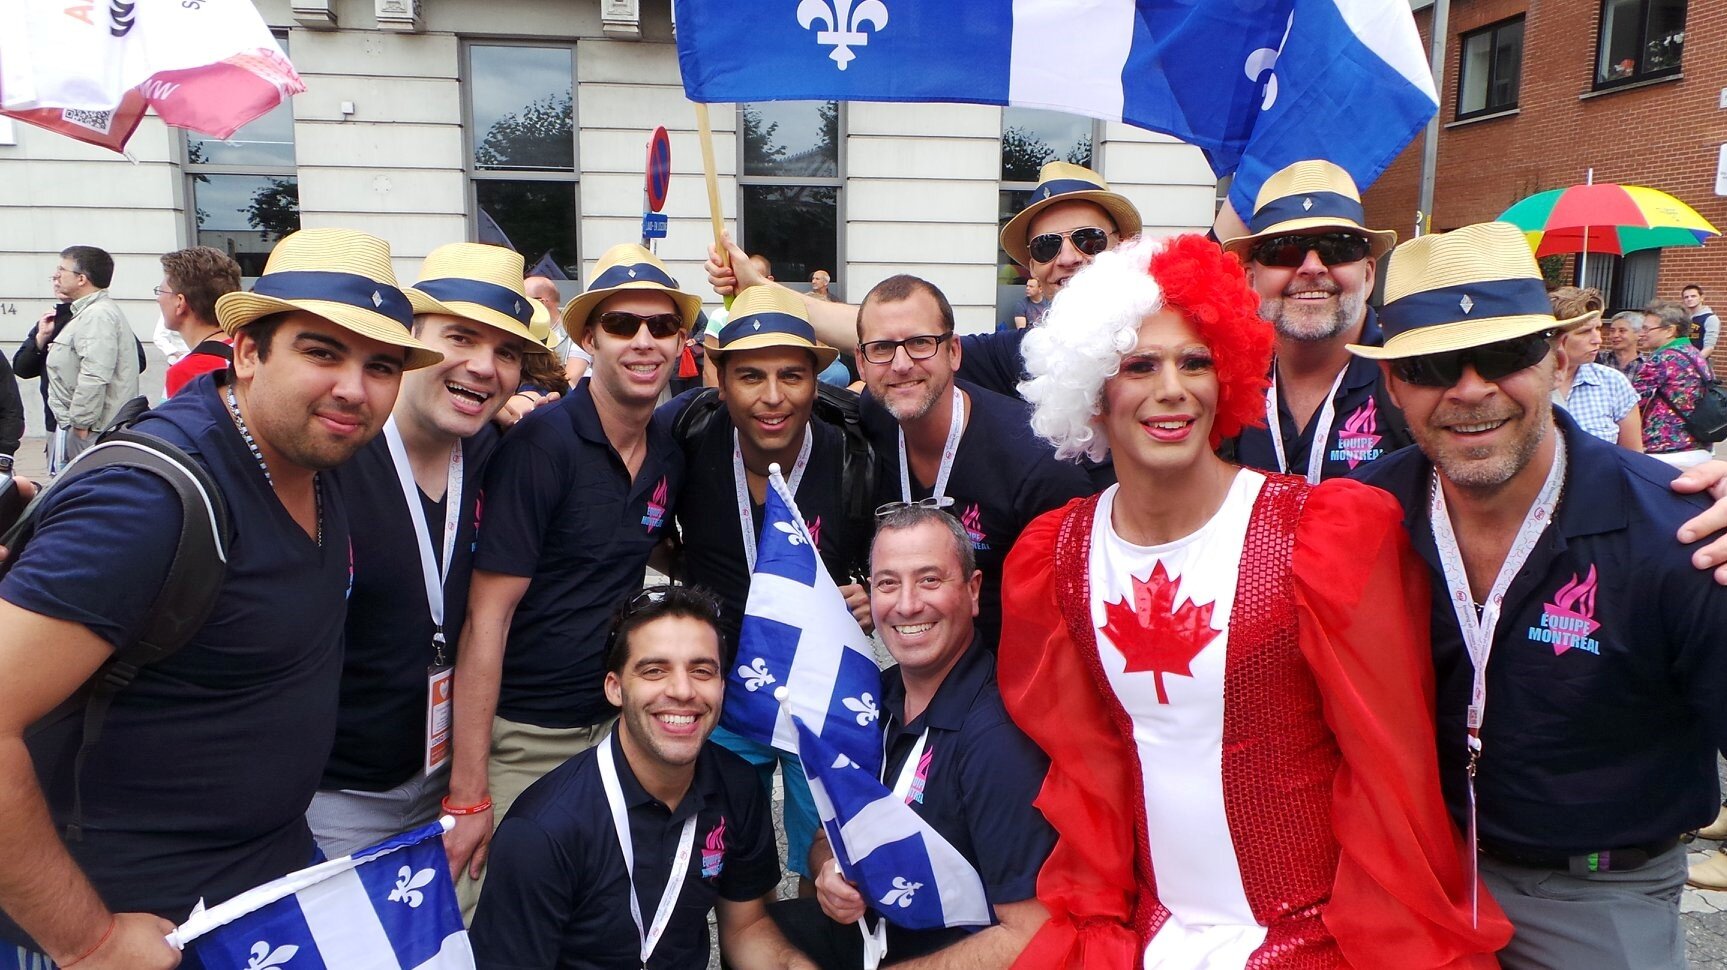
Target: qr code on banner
[(97, 121)]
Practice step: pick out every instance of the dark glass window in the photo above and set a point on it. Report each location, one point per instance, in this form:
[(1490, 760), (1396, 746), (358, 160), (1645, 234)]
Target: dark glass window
[(522, 138), (1639, 39), (789, 186), (536, 219), (1492, 61)]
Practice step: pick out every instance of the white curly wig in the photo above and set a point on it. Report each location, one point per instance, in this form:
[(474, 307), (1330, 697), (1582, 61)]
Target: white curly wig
[(1092, 324)]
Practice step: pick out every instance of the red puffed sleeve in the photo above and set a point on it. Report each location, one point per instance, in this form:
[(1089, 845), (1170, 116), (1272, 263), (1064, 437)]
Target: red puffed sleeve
[(1090, 795), (1402, 897)]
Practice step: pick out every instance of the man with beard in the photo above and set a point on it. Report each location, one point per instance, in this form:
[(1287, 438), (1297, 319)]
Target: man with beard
[(1312, 263), (208, 799), (1577, 729)]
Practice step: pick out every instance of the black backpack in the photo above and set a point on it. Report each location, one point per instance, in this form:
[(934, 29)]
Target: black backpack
[(189, 592), (1707, 419)]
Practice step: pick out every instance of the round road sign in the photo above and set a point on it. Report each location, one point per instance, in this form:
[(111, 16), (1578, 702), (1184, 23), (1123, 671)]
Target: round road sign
[(659, 168)]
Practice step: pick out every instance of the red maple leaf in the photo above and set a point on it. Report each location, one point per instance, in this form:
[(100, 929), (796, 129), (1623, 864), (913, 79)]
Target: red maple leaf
[(1154, 634)]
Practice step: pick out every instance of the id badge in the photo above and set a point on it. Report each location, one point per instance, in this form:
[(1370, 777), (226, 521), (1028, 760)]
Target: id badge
[(440, 698)]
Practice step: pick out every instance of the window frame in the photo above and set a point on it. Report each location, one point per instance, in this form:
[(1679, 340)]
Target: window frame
[(1638, 73), (835, 182), (1491, 31)]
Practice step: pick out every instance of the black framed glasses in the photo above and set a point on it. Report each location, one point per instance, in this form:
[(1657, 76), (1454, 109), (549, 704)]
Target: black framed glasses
[(1089, 240), (940, 503), (920, 347), (1291, 251), (621, 324), (1493, 361)]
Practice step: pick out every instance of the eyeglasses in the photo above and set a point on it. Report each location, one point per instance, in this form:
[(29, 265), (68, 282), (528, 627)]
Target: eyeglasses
[(1492, 362), (161, 291), (621, 324), (921, 347), (68, 271), (1291, 251), (1089, 240), (938, 502)]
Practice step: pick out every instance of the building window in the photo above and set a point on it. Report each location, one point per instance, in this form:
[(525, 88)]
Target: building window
[(789, 185), (1628, 281), (1030, 139), (243, 191), (1492, 60), (522, 153), (1640, 39)]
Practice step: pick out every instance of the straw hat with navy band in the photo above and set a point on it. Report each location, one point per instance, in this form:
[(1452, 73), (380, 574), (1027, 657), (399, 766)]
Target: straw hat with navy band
[(1306, 196), (340, 275), (626, 268), (1466, 288), (769, 316), (1067, 182), (477, 282)]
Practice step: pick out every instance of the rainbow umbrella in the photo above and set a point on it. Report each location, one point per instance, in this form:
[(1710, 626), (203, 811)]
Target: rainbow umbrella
[(1603, 217)]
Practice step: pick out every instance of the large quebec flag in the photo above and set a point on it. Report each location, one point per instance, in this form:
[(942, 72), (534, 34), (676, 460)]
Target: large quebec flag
[(389, 907), (798, 635), (1256, 84)]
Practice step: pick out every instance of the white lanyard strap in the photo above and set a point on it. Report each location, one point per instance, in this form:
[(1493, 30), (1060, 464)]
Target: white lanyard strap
[(429, 568), (908, 771), (949, 450), (650, 936), (746, 507), (1321, 429)]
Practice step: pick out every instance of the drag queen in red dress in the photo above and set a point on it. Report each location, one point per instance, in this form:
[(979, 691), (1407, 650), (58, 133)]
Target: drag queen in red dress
[(1228, 669)]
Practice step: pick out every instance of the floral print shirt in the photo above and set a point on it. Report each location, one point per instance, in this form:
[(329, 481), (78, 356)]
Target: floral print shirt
[(1671, 376)]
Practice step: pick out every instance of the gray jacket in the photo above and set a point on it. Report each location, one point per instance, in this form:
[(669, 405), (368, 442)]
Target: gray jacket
[(92, 364)]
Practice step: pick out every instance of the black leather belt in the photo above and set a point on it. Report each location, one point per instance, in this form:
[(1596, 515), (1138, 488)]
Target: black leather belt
[(1606, 860)]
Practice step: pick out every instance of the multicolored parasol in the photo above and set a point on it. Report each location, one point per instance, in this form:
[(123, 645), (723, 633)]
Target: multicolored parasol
[(1606, 218)]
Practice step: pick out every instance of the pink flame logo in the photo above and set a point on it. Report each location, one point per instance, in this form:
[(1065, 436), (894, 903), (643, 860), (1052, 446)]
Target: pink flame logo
[(714, 851), (972, 520), (659, 498), (919, 778), (1365, 420), (716, 840), (816, 531), (1570, 618)]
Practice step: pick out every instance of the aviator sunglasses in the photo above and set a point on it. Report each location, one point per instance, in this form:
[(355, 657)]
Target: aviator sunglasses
[(1493, 361), (621, 324), (1291, 251), (1089, 240)]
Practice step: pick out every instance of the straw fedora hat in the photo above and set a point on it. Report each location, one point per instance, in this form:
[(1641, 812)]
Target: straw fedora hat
[(769, 316), (1465, 288), (1067, 182), (540, 329), (476, 282), (1308, 195), (338, 274), (623, 268)]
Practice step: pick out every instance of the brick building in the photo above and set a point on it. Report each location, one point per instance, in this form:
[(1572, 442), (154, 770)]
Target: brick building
[(1536, 92)]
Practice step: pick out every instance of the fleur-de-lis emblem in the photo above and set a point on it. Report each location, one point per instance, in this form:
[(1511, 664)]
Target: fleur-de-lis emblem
[(756, 675), (864, 707), (377, 299), (408, 883), (1263, 61), (264, 957), (902, 892), (793, 536), (844, 22), (1466, 304)]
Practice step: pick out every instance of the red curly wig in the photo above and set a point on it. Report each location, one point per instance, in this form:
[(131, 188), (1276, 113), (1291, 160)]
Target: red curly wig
[(1210, 289)]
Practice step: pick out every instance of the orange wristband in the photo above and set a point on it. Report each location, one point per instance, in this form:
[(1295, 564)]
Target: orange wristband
[(112, 922), (484, 804)]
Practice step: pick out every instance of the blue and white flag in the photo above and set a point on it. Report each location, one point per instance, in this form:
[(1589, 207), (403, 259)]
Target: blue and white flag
[(798, 634), (389, 907), (907, 871), (1255, 84)]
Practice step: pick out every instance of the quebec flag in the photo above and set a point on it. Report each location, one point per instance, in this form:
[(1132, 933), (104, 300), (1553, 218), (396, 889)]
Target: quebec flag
[(798, 635), (389, 907), (911, 875), (1255, 84)]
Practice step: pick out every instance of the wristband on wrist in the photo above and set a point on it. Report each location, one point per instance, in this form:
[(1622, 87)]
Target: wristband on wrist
[(483, 805), (112, 922)]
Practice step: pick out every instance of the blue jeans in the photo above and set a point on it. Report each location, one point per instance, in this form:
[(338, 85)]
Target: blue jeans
[(800, 808)]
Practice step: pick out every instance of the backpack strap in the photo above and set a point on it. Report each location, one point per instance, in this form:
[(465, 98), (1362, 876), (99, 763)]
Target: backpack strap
[(215, 348), (843, 409)]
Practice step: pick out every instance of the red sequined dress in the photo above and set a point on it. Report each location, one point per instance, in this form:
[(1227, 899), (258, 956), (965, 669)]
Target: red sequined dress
[(1240, 731)]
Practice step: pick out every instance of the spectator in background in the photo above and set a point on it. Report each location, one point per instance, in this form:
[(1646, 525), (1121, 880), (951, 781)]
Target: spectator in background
[(1620, 337), (576, 360), (819, 282), (1030, 311), (192, 279), (1705, 327), (89, 370), (11, 411), (1670, 383), (1599, 398)]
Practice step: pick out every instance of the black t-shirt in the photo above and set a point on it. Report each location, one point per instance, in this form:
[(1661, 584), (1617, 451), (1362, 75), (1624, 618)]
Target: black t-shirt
[(994, 361), (559, 506), (556, 885), (199, 785), (1003, 477), (381, 723)]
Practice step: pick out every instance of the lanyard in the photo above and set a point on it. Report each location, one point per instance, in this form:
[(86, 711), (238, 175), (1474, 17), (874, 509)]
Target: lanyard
[(902, 784), (1321, 428), (740, 479), (1478, 630), (649, 937), (948, 451), (429, 571)]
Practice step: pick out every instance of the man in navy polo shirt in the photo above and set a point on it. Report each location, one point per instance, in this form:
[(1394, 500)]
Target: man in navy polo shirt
[(949, 443), (198, 786), (577, 496), (649, 831), (952, 753), (411, 495), (1577, 650)]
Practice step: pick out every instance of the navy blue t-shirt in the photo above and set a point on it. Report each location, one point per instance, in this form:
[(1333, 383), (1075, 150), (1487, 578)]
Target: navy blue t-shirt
[(1003, 477), (559, 507), (381, 723), (975, 784), (556, 884), (1603, 707), (994, 361), (207, 761)]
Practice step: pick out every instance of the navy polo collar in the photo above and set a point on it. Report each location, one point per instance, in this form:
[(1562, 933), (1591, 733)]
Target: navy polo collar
[(583, 416), (635, 796), (954, 698), (1362, 372)]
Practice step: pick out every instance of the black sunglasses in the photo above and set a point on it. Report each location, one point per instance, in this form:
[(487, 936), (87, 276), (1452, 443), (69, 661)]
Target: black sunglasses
[(621, 324), (1089, 240), (1492, 361), (1291, 251), (938, 502), (921, 347)]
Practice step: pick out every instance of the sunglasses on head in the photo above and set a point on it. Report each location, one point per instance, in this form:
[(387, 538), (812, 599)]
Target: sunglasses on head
[(621, 324), (1291, 251), (1492, 362), (940, 502), (1089, 240)]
